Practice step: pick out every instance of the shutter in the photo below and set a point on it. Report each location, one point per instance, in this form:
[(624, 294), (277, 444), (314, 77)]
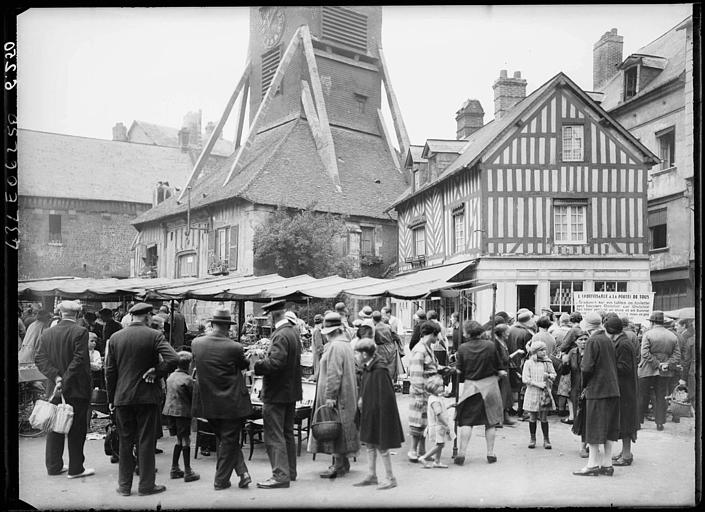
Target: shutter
[(657, 217), (234, 242), (377, 241), (211, 246)]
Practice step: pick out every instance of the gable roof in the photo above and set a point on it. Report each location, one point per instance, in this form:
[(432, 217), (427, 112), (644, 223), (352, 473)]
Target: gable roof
[(413, 156), (169, 137), (669, 46), (480, 141), (284, 168), (67, 166)]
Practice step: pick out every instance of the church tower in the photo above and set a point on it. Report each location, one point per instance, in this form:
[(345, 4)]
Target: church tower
[(324, 64)]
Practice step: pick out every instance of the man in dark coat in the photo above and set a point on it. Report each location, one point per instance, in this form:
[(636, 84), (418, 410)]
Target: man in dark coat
[(519, 335), (380, 425), (281, 389), (110, 327), (132, 372), (63, 358), (222, 396), (177, 331)]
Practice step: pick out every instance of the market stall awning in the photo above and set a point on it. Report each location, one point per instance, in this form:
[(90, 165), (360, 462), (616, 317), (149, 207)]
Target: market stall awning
[(414, 285), (681, 314)]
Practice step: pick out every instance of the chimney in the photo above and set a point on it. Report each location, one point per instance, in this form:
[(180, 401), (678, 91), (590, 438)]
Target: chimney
[(606, 56), (184, 139), (192, 121), (508, 92), (120, 132), (469, 119)]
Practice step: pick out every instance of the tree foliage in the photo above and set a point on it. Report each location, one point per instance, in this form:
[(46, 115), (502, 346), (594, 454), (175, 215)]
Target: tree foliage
[(305, 242)]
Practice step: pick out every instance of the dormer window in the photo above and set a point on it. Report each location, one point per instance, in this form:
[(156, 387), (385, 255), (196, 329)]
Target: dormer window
[(630, 82)]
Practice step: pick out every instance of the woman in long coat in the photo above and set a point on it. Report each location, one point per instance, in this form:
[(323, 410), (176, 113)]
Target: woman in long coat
[(627, 361), (337, 387), (380, 426), (422, 365), (501, 333), (599, 371)]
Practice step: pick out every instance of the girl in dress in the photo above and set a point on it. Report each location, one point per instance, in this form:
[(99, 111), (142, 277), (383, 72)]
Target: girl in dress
[(438, 430), (538, 375)]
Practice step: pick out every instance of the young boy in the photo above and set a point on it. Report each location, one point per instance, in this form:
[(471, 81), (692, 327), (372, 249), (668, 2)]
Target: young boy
[(177, 407)]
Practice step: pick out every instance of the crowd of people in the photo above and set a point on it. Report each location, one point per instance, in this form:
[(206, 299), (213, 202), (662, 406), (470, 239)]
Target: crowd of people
[(600, 373)]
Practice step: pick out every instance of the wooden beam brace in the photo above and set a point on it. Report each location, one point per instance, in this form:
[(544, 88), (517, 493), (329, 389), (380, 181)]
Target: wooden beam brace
[(241, 116), (244, 79), (311, 115), (390, 146), (264, 105), (399, 127), (330, 161)]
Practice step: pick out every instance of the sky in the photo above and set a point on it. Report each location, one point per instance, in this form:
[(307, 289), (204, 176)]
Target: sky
[(81, 70)]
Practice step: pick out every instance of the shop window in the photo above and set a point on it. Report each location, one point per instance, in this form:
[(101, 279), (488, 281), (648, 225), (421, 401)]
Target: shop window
[(54, 229), (573, 143), (630, 82), (667, 147), (610, 286), (562, 295), (569, 220), (420, 241), (658, 231), (367, 245), (458, 232), (670, 295)]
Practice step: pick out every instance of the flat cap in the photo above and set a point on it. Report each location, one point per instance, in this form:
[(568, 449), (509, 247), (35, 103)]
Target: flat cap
[(275, 305), (140, 308)]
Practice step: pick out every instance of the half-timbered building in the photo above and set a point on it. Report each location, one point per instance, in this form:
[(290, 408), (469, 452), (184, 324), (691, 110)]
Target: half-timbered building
[(547, 199)]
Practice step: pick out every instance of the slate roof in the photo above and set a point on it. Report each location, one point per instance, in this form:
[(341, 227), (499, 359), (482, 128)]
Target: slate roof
[(478, 142), (285, 168), (671, 46), (415, 154), (169, 137), (67, 166)]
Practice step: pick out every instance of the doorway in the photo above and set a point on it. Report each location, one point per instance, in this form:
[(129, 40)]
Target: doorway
[(526, 297)]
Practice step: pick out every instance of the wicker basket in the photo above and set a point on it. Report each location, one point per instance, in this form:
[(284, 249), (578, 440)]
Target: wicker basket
[(326, 429), (679, 404)]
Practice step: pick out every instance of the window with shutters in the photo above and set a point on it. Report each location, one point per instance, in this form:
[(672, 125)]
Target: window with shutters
[(222, 245), (658, 230), (367, 241), (55, 229), (270, 62), (573, 142), (346, 26), (667, 147)]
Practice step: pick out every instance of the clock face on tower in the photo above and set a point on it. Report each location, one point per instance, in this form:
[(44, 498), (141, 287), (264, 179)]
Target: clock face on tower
[(271, 25)]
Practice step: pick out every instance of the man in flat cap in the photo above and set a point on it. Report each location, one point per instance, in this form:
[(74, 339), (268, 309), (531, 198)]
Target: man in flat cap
[(222, 396), (281, 389), (63, 358), (132, 372)]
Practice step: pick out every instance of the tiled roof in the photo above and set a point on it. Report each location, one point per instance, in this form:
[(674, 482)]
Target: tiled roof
[(671, 46), (169, 137), (414, 154), (480, 141), (66, 166), (284, 168), (444, 146)]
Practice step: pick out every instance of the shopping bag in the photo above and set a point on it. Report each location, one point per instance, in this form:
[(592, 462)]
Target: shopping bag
[(64, 417), (42, 417), (111, 445)]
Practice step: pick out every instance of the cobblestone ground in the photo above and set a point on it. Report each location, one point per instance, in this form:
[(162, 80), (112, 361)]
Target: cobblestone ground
[(662, 475)]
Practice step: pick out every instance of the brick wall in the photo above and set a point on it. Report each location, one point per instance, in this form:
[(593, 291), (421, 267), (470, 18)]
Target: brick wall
[(606, 56), (95, 238)]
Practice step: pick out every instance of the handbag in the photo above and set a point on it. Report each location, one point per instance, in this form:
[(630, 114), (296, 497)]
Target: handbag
[(42, 417), (111, 446), (579, 421), (64, 417)]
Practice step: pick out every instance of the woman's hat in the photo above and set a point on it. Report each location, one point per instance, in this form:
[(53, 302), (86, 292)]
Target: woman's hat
[(340, 307), (592, 320), (318, 319), (613, 324), (564, 319), (105, 312), (421, 314), (291, 316), (536, 346), (365, 312), (331, 322), (221, 316), (524, 315)]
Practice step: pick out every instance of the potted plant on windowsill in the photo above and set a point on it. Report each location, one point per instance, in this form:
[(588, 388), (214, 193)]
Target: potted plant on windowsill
[(218, 267)]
